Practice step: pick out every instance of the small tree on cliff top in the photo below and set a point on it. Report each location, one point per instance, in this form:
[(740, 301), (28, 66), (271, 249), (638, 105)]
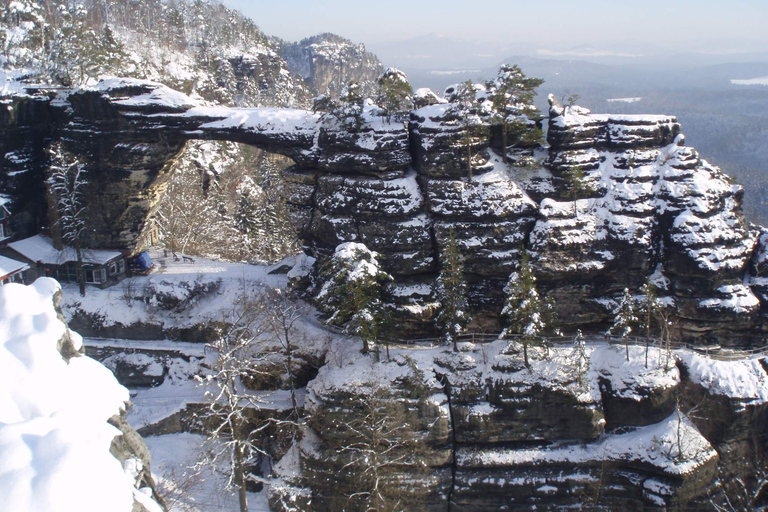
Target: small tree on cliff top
[(465, 106), (351, 293), (395, 93), (527, 314), (624, 319), (512, 107), (451, 291)]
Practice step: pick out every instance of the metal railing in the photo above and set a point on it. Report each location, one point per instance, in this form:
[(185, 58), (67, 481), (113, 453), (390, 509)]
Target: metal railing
[(712, 351)]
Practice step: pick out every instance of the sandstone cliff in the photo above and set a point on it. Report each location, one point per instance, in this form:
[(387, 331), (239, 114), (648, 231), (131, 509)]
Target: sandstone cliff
[(646, 206)]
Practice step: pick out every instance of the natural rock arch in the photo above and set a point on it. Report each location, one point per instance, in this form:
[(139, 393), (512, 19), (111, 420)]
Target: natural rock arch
[(652, 207)]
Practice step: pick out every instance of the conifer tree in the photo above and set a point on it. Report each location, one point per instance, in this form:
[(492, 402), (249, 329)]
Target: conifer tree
[(512, 107), (351, 292), (451, 291), (580, 354), (395, 93), (351, 109), (648, 310), (465, 107), (527, 314), (22, 33), (624, 318)]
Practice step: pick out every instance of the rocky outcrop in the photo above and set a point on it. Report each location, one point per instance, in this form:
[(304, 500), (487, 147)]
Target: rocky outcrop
[(613, 202), (491, 433), (328, 63)]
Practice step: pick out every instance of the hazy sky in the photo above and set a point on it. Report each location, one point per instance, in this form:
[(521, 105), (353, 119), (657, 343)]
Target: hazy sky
[(740, 24)]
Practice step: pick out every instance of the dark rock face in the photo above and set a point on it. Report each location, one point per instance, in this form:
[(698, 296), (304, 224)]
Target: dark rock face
[(613, 202), (495, 435)]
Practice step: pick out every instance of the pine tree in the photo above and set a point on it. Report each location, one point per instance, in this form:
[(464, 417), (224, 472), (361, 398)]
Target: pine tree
[(465, 108), (512, 107), (395, 93), (648, 310), (527, 314), (451, 291), (22, 33), (351, 291), (580, 355), (351, 109), (624, 319)]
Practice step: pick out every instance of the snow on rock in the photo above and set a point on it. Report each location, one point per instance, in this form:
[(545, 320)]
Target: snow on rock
[(54, 436), (123, 92), (673, 445), (745, 380), (279, 120), (736, 298)]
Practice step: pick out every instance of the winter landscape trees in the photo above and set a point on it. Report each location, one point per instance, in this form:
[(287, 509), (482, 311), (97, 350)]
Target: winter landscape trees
[(67, 185), (351, 292), (512, 107), (451, 291), (528, 315)]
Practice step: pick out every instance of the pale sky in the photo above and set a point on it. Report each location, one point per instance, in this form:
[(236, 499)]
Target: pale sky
[(736, 24)]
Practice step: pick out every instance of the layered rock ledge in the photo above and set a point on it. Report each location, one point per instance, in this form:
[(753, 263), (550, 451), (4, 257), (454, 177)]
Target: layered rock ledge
[(610, 203)]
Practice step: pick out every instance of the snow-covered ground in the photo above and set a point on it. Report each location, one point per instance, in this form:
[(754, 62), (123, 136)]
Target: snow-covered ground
[(137, 299), (191, 488)]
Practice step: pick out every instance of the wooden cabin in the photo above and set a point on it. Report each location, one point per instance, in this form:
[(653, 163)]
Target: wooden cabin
[(102, 268)]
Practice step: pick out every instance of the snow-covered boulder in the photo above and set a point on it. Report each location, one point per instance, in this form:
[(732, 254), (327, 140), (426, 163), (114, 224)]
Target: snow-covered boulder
[(64, 444)]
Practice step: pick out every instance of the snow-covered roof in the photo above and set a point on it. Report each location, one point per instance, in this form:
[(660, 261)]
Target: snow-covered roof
[(9, 266), (40, 248)]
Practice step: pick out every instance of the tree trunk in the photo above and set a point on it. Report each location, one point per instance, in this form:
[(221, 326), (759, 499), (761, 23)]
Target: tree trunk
[(239, 469), (240, 479), (525, 352), (504, 143), (469, 158), (289, 362), (80, 271)]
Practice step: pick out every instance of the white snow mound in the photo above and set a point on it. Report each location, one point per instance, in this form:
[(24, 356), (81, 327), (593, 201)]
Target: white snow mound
[(54, 435)]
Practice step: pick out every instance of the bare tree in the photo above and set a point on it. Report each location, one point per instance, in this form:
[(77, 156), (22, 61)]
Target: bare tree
[(282, 315), (67, 183), (744, 487), (381, 447), (230, 430)]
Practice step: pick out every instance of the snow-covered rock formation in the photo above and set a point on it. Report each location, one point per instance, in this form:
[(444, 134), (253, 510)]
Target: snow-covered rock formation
[(64, 442), (328, 63), (613, 201), (478, 430)]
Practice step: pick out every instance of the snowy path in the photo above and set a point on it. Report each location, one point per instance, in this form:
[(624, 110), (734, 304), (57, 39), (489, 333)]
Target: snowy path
[(184, 347)]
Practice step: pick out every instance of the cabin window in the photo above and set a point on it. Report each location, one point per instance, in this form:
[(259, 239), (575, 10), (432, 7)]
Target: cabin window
[(92, 276), (116, 267)]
